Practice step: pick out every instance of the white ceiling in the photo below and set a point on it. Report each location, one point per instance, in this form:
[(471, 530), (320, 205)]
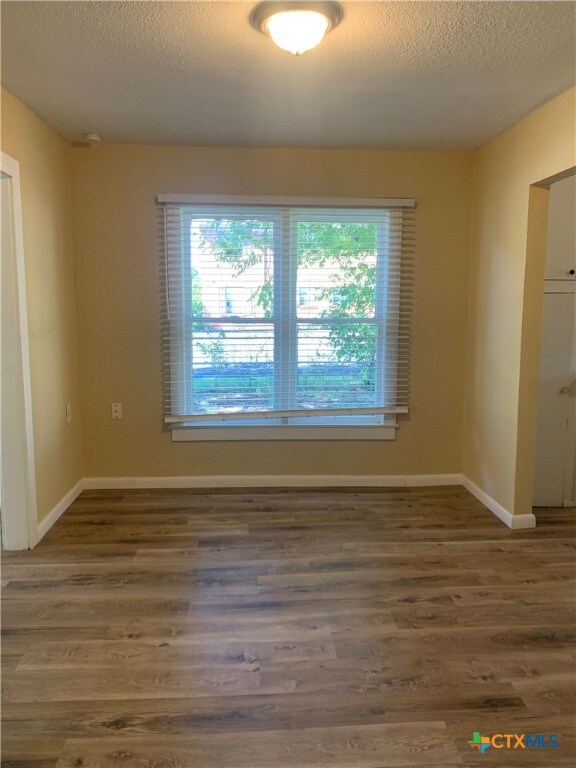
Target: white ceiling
[(396, 75)]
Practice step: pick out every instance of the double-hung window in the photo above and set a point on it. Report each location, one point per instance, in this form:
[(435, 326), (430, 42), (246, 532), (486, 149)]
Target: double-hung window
[(285, 317)]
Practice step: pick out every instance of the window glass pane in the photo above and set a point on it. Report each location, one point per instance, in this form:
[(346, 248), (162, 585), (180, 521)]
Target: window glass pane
[(336, 273), (232, 368), (336, 366), (231, 262), (336, 268)]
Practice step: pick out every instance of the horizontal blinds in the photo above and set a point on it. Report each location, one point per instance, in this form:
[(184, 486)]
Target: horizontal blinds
[(280, 311)]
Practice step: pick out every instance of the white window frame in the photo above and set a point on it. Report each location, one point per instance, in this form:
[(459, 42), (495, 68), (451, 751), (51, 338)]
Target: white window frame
[(330, 427)]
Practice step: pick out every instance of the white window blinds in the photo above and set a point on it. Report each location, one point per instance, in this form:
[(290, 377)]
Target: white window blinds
[(277, 310)]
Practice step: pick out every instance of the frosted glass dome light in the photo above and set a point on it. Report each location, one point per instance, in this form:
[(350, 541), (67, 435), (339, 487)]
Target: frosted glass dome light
[(294, 26), (297, 31)]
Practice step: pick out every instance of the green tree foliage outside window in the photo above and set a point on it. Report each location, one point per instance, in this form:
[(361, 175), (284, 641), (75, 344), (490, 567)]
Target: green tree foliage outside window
[(347, 247)]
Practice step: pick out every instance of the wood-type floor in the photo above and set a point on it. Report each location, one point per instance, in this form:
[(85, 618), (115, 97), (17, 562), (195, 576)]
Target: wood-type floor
[(288, 629)]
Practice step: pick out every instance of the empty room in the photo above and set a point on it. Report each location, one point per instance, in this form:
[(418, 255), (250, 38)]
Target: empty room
[(288, 393)]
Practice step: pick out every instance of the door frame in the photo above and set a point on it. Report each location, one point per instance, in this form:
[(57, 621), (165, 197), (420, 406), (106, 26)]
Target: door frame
[(20, 531), (531, 338)]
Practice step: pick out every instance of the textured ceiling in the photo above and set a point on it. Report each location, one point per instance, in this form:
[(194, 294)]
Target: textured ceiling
[(403, 74)]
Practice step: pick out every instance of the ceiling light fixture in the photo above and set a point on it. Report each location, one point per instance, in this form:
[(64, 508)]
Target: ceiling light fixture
[(296, 26)]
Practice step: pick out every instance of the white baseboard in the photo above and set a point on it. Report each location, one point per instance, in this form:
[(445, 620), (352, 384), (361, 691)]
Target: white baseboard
[(283, 481), (512, 521), (47, 522), (272, 481)]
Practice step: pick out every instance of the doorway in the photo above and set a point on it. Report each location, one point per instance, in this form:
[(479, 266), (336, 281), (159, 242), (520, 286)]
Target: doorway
[(555, 468), (17, 479)]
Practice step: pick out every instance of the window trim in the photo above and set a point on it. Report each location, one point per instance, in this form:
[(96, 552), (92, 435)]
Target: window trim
[(288, 201), (237, 434), (381, 427)]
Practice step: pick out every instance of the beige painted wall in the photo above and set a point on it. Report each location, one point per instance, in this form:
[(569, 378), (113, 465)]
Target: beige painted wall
[(115, 240), (45, 187), (116, 271), (505, 310)]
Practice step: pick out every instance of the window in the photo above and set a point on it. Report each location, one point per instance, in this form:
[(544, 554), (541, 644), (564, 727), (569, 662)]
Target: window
[(303, 297), (228, 301), (286, 315)]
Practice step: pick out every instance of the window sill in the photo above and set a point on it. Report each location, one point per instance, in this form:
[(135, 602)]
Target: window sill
[(284, 432)]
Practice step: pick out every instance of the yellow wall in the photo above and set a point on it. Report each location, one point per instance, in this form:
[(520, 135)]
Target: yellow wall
[(506, 275), (45, 187), (115, 240), (484, 378)]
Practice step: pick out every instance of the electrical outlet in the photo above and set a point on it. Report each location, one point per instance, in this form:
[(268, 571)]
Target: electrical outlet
[(116, 410), (68, 413)]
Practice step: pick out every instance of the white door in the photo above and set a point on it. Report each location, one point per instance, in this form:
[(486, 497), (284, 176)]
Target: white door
[(557, 390), (17, 488), (561, 244), (555, 471), (570, 475)]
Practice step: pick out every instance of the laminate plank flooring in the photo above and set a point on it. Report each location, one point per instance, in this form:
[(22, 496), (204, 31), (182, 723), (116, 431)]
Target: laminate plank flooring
[(288, 629)]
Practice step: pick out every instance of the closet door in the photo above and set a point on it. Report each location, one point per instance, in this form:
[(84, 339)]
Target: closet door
[(557, 392), (561, 245)]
